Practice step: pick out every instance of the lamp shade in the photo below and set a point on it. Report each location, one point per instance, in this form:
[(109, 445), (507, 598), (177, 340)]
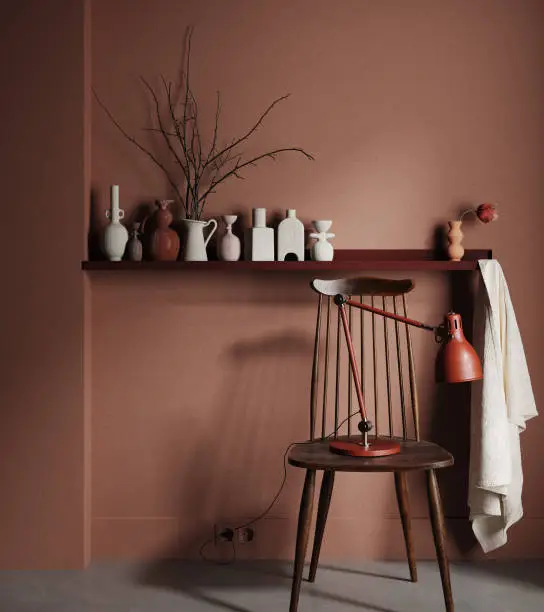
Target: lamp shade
[(457, 360)]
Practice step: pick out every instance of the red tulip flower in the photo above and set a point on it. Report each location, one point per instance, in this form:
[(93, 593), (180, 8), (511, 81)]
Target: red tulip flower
[(484, 213), (487, 213)]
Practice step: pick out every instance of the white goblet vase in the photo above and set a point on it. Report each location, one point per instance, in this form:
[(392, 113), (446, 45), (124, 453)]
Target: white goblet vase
[(322, 249)]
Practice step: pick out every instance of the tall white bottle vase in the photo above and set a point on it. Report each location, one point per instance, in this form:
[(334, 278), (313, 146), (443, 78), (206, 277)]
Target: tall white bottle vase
[(322, 249), (228, 246), (259, 244), (291, 237), (115, 235)]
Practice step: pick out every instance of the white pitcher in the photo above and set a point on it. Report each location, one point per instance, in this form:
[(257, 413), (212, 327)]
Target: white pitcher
[(195, 244)]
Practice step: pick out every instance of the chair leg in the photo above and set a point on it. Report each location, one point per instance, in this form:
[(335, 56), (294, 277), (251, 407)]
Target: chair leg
[(439, 533), (303, 531), (322, 513), (401, 487)]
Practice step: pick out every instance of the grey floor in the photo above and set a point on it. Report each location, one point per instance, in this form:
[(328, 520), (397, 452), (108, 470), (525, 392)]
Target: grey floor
[(264, 587)]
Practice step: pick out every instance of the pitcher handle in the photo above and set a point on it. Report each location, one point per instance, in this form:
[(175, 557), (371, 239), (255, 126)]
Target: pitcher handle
[(214, 223)]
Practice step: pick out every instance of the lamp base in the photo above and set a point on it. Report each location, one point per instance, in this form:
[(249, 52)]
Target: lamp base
[(377, 447)]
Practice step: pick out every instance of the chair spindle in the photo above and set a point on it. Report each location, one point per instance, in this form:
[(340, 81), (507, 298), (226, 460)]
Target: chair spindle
[(362, 347), (387, 368), (401, 375), (374, 370), (315, 370), (412, 374), (337, 396), (326, 374), (350, 381)]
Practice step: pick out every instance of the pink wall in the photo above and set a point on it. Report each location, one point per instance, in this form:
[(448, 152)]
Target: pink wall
[(412, 109), (41, 378)]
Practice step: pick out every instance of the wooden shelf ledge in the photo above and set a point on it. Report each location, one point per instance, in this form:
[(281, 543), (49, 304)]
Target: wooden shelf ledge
[(346, 260)]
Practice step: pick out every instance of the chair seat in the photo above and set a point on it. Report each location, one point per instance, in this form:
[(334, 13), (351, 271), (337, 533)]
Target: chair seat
[(413, 455)]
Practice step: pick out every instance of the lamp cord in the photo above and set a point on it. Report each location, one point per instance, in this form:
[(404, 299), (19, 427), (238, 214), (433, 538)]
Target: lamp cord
[(202, 549)]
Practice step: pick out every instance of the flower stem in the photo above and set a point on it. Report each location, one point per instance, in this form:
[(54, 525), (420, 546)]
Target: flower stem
[(465, 212)]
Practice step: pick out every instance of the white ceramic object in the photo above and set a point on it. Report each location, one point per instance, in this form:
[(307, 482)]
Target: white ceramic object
[(134, 245), (259, 238), (115, 235), (291, 237), (195, 244), (322, 249), (229, 247)]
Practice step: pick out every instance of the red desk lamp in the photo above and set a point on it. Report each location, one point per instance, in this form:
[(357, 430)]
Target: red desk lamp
[(458, 362)]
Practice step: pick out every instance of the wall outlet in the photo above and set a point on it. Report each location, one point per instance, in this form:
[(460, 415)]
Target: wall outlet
[(222, 533), (245, 535)]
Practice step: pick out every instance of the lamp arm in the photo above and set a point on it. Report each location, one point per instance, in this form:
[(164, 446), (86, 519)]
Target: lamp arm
[(342, 299)]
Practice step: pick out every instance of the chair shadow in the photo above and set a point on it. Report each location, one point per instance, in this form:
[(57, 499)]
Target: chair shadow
[(359, 572), (528, 572), (340, 599), (195, 579)]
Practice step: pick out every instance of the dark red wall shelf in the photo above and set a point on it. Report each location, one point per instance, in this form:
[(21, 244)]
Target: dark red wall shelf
[(346, 260)]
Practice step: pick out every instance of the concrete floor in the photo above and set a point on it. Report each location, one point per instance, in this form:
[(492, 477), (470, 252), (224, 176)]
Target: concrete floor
[(265, 586)]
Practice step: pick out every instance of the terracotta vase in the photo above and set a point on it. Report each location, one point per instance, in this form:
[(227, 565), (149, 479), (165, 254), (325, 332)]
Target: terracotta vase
[(455, 239), (163, 241)]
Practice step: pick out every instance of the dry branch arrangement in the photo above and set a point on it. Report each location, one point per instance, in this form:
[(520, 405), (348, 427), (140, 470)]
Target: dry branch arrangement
[(203, 168)]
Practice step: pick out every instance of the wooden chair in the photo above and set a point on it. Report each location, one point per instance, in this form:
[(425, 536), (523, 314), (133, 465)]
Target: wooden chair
[(389, 382)]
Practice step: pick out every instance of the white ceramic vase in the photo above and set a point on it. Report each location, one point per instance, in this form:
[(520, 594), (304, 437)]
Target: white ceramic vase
[(291, 237), (115, 235), (259, 242), (195, 244), (229, 247), (322, 249)]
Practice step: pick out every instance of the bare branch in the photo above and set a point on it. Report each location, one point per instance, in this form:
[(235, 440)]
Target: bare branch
[(236, 142), (205, 165), (215, 129), (253, 162), (137, 144), (183, 142), (163, 131)]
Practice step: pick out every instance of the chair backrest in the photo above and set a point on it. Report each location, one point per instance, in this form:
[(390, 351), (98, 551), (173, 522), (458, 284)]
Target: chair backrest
[(385, 358)]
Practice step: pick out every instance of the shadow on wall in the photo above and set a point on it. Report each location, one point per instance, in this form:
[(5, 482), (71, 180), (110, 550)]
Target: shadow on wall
[(234, 454)]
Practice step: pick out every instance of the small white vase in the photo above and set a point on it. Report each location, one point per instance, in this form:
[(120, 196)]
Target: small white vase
[(322, 249), (195, 244), (229, 247), (115, 235)]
